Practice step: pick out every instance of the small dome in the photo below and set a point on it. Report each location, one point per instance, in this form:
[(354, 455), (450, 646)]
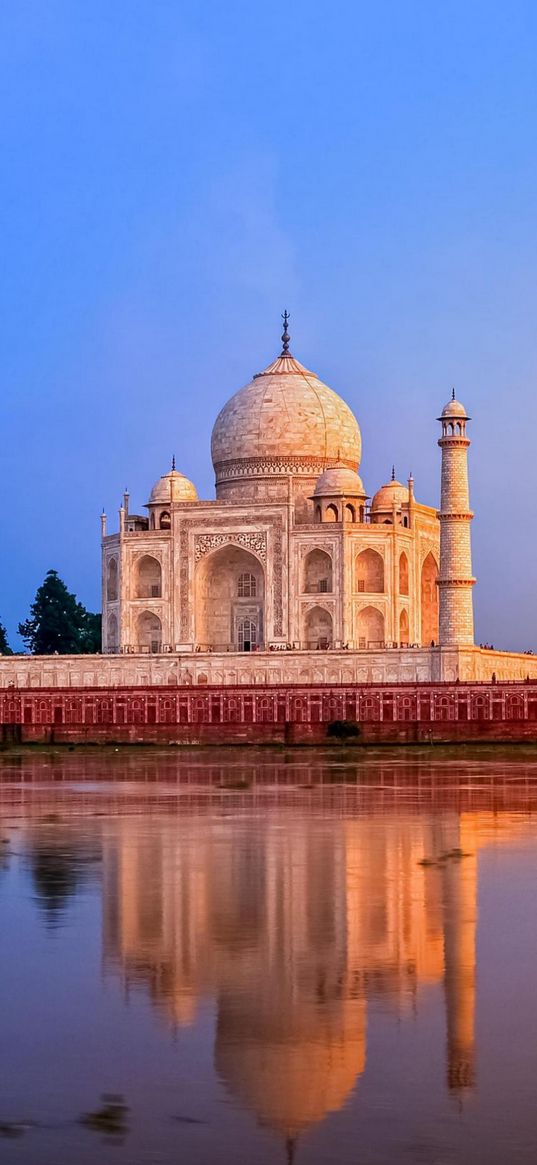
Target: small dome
[(173, 487), (393, 493), (341, 482), (454, 409)]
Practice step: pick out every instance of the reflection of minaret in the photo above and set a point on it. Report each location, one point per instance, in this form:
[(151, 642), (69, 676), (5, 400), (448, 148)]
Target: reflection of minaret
[(459, 878)]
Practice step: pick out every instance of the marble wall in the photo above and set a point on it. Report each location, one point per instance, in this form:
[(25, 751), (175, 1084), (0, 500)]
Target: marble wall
[(412, 665)]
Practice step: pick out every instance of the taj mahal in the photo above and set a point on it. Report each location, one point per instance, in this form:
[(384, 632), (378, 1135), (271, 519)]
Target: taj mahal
[(294, 554), (295, 573)]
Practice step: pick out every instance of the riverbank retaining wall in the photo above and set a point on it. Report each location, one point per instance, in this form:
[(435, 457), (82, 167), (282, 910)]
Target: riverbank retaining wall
[(360, 714)]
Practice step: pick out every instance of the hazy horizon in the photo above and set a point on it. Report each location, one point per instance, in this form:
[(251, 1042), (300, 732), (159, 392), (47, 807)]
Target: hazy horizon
[(175, 175)]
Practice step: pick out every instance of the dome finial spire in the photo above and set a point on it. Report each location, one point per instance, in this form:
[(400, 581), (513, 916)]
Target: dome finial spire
[(173, 463), (453, 394), (290, 1149), (393, 472), (285, 334)]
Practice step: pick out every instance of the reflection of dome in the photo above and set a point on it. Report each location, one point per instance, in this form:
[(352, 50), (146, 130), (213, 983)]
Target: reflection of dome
[(339, 482), (393, 493), (288, 416), (173, 487), (293, 1083)]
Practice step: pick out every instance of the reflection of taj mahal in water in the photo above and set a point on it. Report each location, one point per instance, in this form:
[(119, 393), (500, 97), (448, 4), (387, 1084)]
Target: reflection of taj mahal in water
[(293, 552), (296, 933)]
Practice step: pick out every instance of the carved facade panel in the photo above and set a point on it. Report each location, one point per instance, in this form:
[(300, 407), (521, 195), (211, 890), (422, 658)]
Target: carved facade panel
[(318, 544), (320, 600), (277, 580), (256, 543)]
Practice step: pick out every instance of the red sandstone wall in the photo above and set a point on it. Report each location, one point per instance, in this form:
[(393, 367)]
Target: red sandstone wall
[(401, 713), (291, 734)]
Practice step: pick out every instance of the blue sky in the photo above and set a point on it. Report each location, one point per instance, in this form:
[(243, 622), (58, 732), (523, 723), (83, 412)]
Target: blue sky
[(175, 174)]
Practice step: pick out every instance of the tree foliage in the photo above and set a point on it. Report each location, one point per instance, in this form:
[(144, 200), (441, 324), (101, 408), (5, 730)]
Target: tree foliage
[(4, 645), (59, 869), (58, 623), (90, 642)]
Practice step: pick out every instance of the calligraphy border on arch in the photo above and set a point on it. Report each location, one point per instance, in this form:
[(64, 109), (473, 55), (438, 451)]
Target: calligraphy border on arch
[(255, 542)]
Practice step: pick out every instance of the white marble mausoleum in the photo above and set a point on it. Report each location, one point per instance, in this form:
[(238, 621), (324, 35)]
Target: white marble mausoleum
[(293, 553)]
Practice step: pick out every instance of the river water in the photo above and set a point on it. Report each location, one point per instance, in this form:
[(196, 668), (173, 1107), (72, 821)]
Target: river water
[(267, 956)]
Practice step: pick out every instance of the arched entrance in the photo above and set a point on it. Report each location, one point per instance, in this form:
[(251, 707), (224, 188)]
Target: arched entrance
[(317, 572), (370, 572), (149, 632), (112, 580), (403, 629), (112, 634), (370, 628), (148, 578), (318, 628), (331, 513), (429, 601), (247, 631), (230, 600)]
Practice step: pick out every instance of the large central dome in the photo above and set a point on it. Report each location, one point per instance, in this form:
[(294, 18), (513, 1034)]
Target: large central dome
[(286, 421)]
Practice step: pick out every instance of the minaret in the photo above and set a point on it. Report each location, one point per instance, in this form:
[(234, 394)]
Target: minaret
[(456, 580)]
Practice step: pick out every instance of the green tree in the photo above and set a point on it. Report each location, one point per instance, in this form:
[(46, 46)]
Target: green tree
[(4, 645), (58, 622), (90, 642)]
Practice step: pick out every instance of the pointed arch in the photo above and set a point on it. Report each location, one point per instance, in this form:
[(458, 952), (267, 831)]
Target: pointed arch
[(317, 572), (404, 630), (112, 580), (247, 631), (148, 578), (149, 632), (429, 600), (112, 636), (318, 628), (230, 599), (370, 572), (370, 628), (403, 574)]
